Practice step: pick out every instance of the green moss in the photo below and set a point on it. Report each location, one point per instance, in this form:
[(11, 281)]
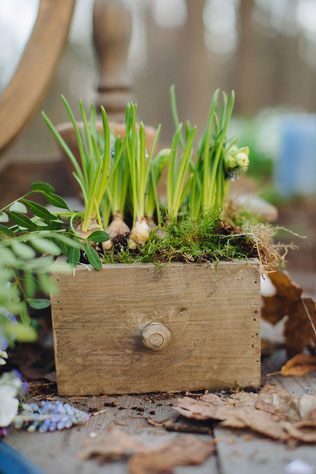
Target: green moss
[(208, 239)]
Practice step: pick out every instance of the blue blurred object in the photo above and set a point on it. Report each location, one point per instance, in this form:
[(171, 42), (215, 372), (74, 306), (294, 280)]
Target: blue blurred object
[(295, 168), (12, 462)]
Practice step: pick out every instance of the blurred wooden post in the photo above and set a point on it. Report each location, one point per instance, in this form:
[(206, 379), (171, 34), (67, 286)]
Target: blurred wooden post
[(112, 31)]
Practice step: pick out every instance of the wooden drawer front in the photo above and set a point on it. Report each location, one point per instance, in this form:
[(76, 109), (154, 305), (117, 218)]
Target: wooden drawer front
[(212, 315)]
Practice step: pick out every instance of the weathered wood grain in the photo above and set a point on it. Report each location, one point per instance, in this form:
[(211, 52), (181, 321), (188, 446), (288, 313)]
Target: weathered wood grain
[(212, 313)]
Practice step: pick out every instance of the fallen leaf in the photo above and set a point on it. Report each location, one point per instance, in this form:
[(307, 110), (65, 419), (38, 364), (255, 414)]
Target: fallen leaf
[(110, 447), (299, 328), (157, 459), (274, 389), (306, 435), (273, 412), (179, 427), (181, 451), (299, 365)]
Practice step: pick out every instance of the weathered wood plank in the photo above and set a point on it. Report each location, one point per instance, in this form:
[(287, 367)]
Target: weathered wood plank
[(240, 453), (211, 313)]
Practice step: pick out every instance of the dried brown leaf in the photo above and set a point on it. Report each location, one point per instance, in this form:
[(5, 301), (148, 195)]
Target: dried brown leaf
[(269, 388), (180, 451), (160, 458), (306, 435), (308, 421), (273, 412), (299, 327), (114, 445), (299, 365)]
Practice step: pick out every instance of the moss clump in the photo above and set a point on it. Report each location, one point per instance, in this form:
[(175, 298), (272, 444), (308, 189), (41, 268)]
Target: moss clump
[(208, 239)]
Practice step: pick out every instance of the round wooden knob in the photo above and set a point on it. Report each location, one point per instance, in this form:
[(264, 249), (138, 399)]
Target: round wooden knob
[(156, 336)]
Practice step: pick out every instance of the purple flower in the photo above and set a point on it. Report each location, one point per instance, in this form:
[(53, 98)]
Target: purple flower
[(48, 416)]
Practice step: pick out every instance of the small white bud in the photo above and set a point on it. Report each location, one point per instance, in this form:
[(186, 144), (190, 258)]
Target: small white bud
[(242, 160), (230, 162)]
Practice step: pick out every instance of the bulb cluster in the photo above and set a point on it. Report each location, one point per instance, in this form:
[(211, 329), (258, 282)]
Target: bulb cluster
[(48, 416), (236, 162)]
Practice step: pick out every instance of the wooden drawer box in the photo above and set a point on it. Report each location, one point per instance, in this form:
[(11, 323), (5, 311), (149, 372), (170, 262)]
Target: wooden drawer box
[(135, 329)]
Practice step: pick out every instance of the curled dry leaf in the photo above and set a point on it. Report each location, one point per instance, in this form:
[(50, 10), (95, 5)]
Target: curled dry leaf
[(272, 412), (110, 447), (299, 365), (158, 459), (181, 451), (299, 329)]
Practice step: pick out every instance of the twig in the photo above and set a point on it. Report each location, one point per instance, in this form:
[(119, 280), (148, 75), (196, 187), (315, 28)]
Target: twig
[(98, 412)]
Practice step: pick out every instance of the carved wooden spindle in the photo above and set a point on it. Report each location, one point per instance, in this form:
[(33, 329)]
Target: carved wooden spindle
[(112, 30)]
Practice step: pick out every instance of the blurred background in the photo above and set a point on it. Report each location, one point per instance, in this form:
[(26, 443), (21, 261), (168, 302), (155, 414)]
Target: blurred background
[(263, 49)]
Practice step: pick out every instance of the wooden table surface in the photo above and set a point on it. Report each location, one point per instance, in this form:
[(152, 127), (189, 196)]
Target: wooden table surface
[(236, 451)]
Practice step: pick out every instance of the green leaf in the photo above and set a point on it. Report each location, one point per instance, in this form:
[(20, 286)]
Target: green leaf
[(20, 332), (7, 257), (5, 274), (64, 248), (18, 207), (67, 240), (41, 186), (92, 257), (60, 267), (56, 200), (52, 225), (47, 285), (45, 246), (42, 263), (30, 284), (4, 217), (22, 220), (99, 236), (73, 256), (5, 231), (38, 210), (38, 303), (24, 314), (22, 250)]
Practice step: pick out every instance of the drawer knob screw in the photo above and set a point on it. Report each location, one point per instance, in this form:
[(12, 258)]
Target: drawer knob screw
[(156, 336)]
